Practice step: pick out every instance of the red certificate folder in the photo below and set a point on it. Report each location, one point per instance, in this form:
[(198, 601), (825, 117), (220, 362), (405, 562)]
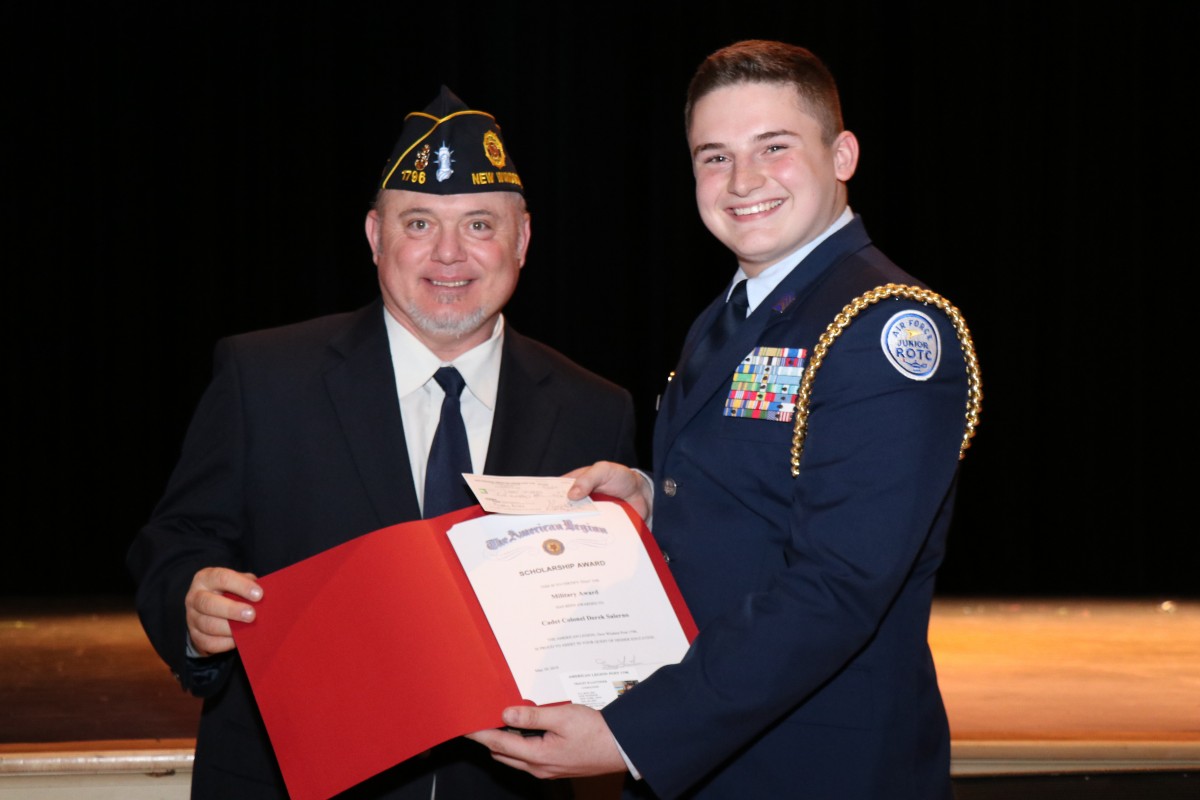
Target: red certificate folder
[(376, 650)]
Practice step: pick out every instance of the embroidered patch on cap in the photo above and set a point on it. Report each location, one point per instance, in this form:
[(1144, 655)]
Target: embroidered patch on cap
[(765, 384), (912, 344)]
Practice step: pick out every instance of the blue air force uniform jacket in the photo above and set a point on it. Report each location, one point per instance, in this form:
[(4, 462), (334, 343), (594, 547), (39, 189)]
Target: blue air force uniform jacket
[(811, 676)]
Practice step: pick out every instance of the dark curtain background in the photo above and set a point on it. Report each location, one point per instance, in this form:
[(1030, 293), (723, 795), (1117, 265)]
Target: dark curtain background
[(180, 172)]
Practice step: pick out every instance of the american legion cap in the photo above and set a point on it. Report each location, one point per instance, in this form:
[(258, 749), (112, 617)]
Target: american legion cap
[(450, 149)]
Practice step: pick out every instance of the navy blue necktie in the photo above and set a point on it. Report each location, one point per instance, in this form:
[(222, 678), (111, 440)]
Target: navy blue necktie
[(732, 315), (449, 457)]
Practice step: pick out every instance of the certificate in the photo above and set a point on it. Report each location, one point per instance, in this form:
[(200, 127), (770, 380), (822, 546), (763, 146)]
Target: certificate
[(376, 650), (574, 601)]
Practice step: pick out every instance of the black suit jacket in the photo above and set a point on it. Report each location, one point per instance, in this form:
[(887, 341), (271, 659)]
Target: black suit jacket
[(297, 446)]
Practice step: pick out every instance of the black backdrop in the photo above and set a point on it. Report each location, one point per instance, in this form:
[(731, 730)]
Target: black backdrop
[(176, 174)]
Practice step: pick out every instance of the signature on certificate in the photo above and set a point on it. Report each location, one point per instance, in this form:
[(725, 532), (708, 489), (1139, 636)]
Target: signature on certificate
[(624, 661)]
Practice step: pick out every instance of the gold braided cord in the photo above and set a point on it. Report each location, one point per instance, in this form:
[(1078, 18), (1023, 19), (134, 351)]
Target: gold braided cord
[(843, 320)]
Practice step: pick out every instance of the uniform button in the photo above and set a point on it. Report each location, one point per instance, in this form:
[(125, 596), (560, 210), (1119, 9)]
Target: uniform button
[(669, 487), (667, 557)]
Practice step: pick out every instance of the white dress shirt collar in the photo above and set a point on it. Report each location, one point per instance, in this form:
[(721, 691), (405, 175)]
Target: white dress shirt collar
[(414, 364), (762, 284)]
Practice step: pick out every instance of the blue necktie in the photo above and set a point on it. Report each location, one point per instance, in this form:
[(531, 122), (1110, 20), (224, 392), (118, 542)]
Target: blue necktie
[(449, 457), (732, 315)]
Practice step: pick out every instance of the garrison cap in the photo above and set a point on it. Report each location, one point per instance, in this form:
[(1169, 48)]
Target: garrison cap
[(450, 149)]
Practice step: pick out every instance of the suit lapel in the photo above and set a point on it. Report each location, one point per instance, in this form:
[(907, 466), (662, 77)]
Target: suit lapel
[(524, 422), (362, 387)]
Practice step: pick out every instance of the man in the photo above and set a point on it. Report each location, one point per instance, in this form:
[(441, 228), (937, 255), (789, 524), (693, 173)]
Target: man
[(811, 675), (318, 432)]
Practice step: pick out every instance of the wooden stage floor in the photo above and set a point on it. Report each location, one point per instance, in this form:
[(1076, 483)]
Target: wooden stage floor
[(1031, 685)]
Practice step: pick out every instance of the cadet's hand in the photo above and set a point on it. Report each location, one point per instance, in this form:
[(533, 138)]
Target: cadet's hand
[(615, 480), (576, 743), (209, 610)]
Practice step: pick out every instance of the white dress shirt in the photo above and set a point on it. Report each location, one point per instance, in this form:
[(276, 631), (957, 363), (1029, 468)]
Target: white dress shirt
[(421, 396)]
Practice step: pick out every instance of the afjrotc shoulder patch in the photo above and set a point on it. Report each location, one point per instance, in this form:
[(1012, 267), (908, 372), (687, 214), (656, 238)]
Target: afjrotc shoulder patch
[(911, 343), (765, 384)]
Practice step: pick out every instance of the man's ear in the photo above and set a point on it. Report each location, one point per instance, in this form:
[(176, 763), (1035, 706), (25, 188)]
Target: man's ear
[(845, 155), (373, 225), (523, 239)]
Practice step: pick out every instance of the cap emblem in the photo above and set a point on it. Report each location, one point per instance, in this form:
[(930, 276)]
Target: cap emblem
[(422, 158), (493, 149), (443, 161)]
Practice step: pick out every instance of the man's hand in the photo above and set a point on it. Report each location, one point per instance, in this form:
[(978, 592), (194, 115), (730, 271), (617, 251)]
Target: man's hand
[(576, 742), (615, 480), (209, 610)]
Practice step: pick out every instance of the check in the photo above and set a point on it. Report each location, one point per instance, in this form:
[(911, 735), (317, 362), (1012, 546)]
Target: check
[(574, 600)]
